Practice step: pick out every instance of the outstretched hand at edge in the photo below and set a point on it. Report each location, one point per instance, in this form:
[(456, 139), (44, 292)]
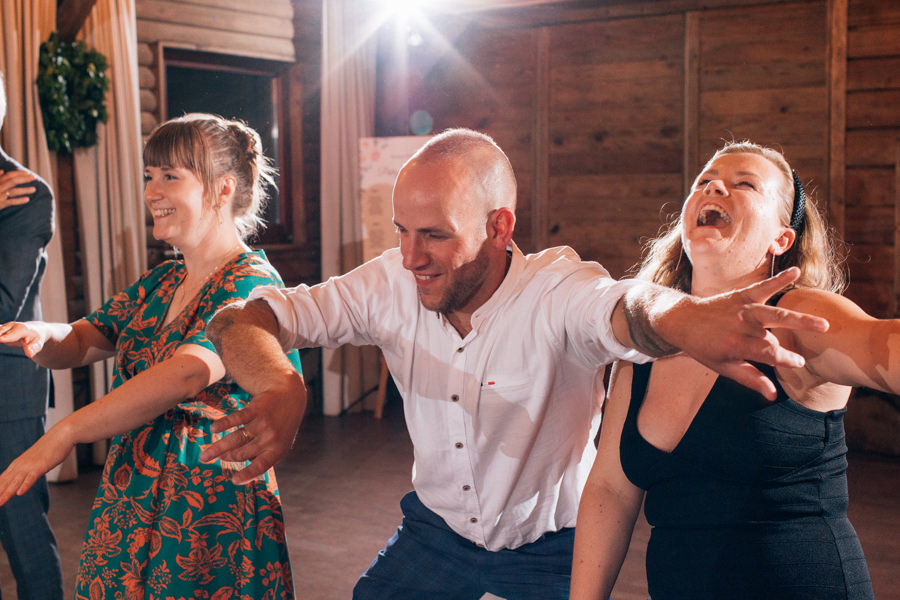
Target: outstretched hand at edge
[(27, 336), (723, 332), (50, 450)]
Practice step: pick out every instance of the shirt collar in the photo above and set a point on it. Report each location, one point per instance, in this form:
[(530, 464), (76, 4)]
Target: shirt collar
[(507, 286)]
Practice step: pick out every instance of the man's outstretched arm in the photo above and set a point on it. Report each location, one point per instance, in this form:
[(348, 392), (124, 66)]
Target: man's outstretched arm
[(723, 332), (245, 335)]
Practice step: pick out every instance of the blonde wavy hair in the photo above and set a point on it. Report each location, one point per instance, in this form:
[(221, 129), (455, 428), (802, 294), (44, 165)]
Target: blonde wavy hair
[(816, 251)]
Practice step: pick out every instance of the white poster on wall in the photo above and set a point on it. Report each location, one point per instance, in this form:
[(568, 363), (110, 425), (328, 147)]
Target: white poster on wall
[(380, 159)]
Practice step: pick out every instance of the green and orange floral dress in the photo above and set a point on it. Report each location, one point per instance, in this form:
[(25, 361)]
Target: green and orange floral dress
[(164, 525)]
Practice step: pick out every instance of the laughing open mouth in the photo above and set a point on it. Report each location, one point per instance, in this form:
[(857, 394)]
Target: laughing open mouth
[(713, 215)]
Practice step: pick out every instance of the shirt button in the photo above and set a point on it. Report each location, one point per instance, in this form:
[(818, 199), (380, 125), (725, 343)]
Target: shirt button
[(473, 520), (458, 444), (455, 397), (460, 349), (467, 487)]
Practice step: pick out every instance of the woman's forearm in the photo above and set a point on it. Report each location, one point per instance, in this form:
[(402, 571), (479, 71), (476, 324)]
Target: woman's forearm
[(140, 399), (137, 401), (602, 535)]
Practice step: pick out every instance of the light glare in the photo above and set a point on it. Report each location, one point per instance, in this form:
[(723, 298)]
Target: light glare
[(404, 8)]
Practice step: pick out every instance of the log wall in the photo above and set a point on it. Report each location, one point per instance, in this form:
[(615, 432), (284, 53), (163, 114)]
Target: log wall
[(233, 27), (615, 134)]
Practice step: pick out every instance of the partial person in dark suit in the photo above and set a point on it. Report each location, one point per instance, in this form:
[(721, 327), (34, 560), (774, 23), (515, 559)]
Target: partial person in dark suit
[(26, 226)]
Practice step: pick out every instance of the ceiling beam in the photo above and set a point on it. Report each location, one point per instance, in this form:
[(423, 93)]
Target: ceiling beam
[(70, 16)]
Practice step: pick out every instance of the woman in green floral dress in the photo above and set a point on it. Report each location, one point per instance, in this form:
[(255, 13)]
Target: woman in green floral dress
[(164, 524)]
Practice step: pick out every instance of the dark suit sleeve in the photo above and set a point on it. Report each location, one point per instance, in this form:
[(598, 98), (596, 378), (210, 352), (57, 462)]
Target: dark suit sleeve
[(25, 231)]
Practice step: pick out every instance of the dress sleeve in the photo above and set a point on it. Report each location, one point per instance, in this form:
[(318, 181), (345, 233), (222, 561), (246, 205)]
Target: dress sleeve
[(117, 312)]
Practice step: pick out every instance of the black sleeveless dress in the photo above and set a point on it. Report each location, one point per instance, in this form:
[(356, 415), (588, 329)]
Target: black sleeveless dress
[(751, 504)]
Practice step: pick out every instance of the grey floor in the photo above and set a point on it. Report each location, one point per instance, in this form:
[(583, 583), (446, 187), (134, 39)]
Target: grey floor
[(342, 484)]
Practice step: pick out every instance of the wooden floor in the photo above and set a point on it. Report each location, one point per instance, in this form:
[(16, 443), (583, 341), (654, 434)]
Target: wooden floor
[(343, 482)]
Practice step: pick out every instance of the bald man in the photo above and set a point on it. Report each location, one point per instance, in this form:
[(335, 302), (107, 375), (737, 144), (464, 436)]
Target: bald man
[(499, 359)]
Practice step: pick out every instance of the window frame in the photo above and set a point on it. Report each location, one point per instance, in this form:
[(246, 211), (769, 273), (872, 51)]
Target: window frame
[(281, 232)]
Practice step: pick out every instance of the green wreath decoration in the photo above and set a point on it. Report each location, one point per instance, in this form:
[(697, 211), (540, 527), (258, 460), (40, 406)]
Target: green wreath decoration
[(72, 86)]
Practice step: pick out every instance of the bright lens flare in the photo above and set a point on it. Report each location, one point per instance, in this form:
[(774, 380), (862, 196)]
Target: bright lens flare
[(404, 8)]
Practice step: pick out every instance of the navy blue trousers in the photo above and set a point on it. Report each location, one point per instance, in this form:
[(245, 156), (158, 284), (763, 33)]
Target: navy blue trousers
[(426, 560), (24, 529)]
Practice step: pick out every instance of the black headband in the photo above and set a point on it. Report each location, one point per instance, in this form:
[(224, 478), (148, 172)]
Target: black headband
[(799, 203)]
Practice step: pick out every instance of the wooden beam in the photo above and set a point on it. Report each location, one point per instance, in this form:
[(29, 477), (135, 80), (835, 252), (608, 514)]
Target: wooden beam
[(70, 16), (691, 100), (837, 111), (554, 13), (215, 18), (540, 195), (193, 37), (895, 297), (283, 9)]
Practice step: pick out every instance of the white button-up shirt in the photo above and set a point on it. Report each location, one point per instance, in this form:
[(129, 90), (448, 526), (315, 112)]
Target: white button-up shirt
[(503, 420)]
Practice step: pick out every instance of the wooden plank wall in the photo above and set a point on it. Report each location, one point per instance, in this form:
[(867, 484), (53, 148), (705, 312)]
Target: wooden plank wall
[(608, 113), (873, 128), (615, 135), (763, 83)]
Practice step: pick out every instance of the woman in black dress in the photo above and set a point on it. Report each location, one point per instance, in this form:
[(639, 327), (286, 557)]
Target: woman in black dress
[(747, 498)]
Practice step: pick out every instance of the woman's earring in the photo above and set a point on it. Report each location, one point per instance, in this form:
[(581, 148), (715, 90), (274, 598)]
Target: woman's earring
[(772, 270), (678, 264)]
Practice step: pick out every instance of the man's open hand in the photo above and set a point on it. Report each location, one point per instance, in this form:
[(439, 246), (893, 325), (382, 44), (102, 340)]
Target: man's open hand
[(267, 427), (726, 331)]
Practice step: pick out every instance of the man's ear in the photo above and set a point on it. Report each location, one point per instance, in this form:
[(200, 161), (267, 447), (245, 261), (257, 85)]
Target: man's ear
[(500, 226)]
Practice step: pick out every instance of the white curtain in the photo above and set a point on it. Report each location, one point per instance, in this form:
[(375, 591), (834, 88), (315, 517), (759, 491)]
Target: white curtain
[(348, 114), (24, 24), (108, 176)]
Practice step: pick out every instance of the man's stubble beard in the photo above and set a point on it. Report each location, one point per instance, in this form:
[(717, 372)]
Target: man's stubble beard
[(467, 280)]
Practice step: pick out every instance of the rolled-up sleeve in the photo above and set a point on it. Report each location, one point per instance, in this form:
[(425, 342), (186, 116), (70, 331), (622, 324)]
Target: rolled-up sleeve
[(284, 312), (590, 327), (331, 313), (615, 290)]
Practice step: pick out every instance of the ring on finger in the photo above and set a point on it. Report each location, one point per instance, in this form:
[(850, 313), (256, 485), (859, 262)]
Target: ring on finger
[(246, 435)]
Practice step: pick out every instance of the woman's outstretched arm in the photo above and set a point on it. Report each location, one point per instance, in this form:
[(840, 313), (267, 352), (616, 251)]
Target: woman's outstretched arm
[(858, 349), (137, 401), (57, 345)]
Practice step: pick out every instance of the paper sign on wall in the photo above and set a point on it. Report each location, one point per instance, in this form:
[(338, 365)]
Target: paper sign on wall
[(380, 159)]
